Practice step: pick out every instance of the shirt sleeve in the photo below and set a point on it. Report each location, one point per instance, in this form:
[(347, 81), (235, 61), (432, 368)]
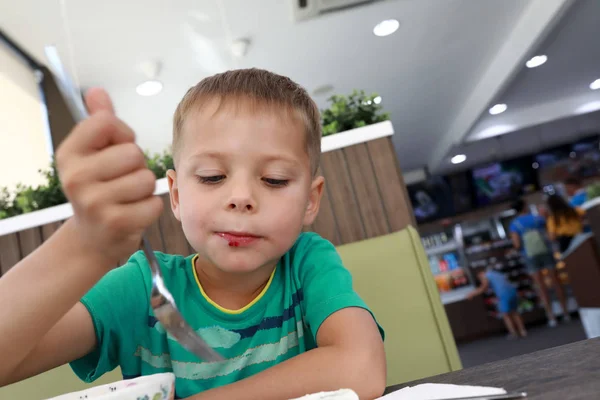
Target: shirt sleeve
[(118, 304), (326, 283), (513, 227), (540, 222)]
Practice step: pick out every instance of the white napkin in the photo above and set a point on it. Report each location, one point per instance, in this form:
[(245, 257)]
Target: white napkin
[(342, 394), (434, 391)]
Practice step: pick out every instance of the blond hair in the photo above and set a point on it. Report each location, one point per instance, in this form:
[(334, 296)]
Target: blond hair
[(259, 88)]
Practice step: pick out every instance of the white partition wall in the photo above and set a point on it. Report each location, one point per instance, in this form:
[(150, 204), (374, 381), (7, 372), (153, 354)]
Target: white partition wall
[(25, 143)]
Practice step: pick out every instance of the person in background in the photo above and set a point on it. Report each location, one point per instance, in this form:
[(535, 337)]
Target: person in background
[(508, 300), (527, 232), (564, 221), (576, 191)]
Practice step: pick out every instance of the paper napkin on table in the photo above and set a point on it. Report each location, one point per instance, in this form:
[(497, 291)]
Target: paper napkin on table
[(342, 394), (434, 391)]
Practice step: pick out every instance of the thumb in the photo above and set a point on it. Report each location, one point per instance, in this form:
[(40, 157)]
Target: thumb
[(97, 99)]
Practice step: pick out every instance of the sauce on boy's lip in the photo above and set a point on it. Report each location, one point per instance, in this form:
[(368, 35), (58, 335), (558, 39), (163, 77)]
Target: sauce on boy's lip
[(238, 239)]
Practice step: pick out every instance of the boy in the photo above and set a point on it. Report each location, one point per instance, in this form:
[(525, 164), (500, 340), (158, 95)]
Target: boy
[(527, 232), (277, 304), (508, 300)]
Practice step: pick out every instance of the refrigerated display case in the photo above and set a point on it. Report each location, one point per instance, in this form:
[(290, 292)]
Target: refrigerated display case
[(448, 264)]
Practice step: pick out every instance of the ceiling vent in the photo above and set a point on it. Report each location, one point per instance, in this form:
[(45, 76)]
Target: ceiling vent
[(307, 9)]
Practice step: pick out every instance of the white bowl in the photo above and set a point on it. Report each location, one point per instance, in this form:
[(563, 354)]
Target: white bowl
[(151, 387)]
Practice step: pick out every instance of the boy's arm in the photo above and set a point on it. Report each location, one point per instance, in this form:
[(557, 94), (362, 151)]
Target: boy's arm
[(39, 291), (349, 355), (105, 178), (516, 240), (482, 288)]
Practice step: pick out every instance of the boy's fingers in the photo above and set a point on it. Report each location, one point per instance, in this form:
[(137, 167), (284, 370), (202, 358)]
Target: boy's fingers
[(139, 215), (131, 188), (97, 132), (115, 161), (97, 99)]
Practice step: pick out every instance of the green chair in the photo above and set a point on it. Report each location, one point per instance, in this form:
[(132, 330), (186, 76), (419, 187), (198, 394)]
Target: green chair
[(391, 273)]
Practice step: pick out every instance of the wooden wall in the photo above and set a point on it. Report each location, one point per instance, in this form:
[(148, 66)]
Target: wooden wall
[(364, 197)]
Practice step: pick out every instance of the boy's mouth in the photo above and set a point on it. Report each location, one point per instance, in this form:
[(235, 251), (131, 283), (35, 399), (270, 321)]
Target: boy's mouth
[(238, 239)]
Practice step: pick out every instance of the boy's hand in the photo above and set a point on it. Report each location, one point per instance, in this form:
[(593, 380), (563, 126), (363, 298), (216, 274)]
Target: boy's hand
[(104, 176)]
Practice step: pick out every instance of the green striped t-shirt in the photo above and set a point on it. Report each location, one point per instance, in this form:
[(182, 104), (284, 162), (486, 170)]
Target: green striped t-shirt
[(307, 286)]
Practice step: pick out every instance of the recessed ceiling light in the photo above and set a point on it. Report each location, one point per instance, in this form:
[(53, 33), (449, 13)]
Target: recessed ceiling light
[(387, 27), (536, 61), (149, 88), (459, 158), (535, 165), (498, 109), (595, 85), (377, 100)]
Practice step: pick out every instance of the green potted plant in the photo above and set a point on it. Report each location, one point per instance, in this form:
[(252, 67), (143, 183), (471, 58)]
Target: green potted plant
[(353, 111)]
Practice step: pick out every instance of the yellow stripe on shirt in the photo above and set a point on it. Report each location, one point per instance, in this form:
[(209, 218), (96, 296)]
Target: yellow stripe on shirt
[(223, 309)]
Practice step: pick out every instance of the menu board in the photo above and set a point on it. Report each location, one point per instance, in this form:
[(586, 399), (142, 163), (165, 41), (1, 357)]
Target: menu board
[(431, 199), (581, 159), (503, 181), (440, 197)]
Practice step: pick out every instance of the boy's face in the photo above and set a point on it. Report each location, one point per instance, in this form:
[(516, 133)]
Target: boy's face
[(243, 187), (571, 189)]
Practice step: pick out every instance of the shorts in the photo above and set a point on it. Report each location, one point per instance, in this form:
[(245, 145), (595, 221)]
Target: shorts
[(508, 303), (540, 262)]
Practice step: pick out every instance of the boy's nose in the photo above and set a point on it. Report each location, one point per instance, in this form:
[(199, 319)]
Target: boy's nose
[(243, 204)]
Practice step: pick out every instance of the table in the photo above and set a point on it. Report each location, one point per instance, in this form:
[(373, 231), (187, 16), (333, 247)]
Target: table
[(569, 372)]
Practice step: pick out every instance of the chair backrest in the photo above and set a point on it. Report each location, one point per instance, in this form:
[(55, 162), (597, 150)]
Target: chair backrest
[(53, 383), (391, 273)]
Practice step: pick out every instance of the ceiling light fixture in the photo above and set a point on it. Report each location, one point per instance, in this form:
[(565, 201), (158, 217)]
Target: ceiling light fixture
[(535, 165), (536, 61), (149, 88), (386, 28), (498, 109), (459, 158), (595, 85), (377, 100)]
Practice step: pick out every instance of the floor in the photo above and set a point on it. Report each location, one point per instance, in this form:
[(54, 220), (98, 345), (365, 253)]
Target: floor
[(539, 338)]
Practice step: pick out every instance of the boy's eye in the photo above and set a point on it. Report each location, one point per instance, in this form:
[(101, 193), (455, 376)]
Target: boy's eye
[(276, 182), (211, 179)]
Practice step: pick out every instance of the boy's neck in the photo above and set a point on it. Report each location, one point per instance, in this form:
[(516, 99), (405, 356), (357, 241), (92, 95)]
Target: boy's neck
[(232, 290)]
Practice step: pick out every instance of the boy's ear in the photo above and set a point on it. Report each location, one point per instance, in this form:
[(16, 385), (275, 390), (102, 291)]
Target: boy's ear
[(314, 200), (173, 192)]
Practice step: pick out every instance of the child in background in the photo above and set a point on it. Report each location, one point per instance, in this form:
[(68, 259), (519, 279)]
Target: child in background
[(564, 222), (508, 300), (275, 302)]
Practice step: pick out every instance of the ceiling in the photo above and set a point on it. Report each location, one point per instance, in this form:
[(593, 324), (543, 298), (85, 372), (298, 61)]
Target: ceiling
[(548, 105), (437, 74)]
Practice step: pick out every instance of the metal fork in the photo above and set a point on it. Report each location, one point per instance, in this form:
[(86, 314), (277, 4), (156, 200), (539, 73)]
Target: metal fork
[(161, 300)]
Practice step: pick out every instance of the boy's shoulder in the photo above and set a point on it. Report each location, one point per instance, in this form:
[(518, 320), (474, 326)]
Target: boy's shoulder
[(311, 254), (311, 246)]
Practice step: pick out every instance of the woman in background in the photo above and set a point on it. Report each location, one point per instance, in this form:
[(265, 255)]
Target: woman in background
[(564, 222)]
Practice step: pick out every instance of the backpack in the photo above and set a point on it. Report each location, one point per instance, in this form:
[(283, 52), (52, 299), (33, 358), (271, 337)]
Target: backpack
[(534, 242)]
